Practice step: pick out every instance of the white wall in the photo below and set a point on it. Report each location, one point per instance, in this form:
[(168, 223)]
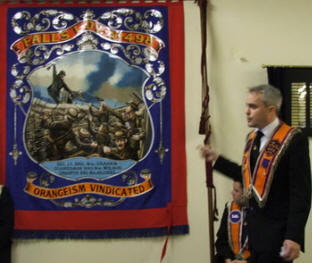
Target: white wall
[(243, 35)]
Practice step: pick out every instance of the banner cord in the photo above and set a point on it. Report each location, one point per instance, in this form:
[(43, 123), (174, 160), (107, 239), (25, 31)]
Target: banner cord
[(205, 128)]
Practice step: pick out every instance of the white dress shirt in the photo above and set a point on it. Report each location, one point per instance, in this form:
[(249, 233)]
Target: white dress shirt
[(268, 132)]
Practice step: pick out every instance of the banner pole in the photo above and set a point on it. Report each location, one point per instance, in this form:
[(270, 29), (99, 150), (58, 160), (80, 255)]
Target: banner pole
[(205, 128)]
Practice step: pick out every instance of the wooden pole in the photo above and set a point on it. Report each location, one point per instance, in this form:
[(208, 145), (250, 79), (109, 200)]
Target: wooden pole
[(205, 128)]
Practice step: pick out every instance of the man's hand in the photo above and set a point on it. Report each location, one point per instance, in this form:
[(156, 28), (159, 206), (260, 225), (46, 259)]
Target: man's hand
[(208, 153), (94, 144), (291, 250), (107, 149)]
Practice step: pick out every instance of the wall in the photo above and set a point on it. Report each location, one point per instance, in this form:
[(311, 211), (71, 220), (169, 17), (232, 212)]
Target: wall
[(243, 35)]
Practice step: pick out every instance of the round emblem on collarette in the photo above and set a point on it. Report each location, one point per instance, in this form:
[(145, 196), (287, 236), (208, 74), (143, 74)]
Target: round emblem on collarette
[(235, 216), (273, 147)]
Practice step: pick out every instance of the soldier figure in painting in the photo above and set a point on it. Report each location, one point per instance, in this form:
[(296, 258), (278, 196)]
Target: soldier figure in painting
[(133, 124), (59, 133), (100, 134), (122, 150), (57, 85), (85, 143)]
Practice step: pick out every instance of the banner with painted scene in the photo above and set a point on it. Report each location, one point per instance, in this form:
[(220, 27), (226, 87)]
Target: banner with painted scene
[(93, 141)]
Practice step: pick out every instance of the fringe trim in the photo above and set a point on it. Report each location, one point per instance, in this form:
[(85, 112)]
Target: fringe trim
[(100, 234)]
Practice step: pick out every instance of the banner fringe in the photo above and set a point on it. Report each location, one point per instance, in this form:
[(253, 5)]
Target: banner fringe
[(98, 234)]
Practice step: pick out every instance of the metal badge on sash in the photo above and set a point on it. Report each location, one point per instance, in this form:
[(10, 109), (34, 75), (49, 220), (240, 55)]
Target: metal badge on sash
[(235, 216)]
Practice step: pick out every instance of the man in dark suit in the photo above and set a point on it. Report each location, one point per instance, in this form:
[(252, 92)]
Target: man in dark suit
[(276, 176), (6, 224)]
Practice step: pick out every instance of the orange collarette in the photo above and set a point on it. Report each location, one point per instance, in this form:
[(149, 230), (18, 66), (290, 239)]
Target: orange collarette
[(259, 183)]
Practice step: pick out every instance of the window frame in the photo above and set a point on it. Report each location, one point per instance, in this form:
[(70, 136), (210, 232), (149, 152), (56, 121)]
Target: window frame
[(282, 77)]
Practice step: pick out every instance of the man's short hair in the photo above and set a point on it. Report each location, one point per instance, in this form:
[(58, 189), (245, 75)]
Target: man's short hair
[(271, 95)]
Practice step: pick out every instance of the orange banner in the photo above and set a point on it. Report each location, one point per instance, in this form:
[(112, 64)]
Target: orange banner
[(88, 188)]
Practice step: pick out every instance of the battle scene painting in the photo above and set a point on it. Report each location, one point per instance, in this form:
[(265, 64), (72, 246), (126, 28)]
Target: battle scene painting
[(87, 108)]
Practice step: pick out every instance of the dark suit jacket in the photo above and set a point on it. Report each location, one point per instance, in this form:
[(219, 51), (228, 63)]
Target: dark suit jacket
[(6, 225), (286, 211)]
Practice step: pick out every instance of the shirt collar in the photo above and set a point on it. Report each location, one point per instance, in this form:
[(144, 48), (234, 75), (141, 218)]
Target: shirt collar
[(270, 128)]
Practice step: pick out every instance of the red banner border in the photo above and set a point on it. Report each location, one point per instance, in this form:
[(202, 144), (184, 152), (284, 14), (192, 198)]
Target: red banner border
[(175, 213)]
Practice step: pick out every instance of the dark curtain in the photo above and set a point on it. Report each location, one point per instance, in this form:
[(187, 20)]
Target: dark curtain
[(276, 77)]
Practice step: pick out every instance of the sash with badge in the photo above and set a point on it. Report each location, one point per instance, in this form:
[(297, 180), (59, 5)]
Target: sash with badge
[(236, 225), (259, 182)]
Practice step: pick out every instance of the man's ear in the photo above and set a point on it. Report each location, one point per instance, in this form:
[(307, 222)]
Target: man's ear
[(272, 109)]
